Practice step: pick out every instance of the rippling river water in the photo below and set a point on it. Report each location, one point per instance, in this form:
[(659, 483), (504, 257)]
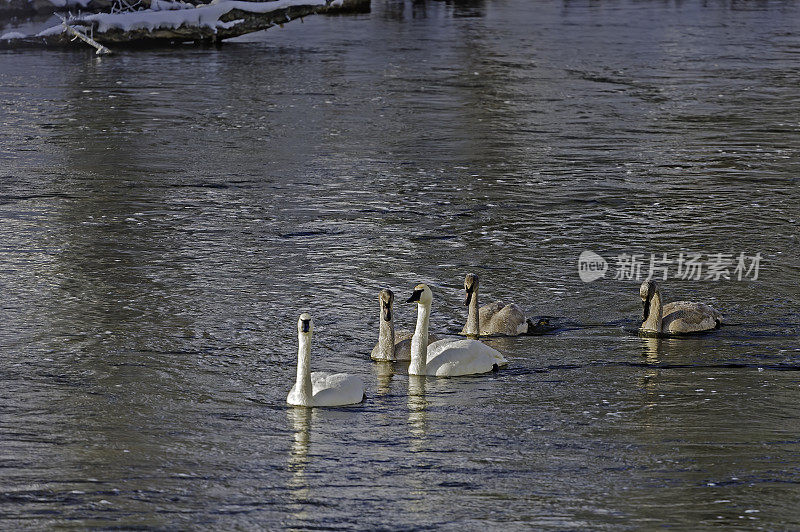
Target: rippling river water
[(167, 214)]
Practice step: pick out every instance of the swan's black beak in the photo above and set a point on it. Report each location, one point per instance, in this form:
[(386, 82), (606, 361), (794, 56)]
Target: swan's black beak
[(469, 295), (415, 296), (387, 311), (645, 309), (306, 325)]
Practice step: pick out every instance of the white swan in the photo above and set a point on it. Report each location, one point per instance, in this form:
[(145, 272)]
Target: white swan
[(320, 389), (446, 358), (679, 317), (495, 319), (392, 346)]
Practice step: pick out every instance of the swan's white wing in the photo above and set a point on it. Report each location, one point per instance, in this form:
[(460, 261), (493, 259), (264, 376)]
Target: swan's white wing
[(686, 317), (478, 347), (402, 346), (451, 358), (336, 389), (319, 379)]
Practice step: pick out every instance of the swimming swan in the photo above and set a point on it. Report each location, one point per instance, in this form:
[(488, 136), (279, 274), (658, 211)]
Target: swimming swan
[(679, 317), (392, 346), (320, 389), (495, 319), (446, 358)]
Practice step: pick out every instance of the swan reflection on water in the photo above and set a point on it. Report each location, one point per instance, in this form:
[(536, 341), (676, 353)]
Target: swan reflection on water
[(417, 412), (651, 347), (383, 371), (300, 421)]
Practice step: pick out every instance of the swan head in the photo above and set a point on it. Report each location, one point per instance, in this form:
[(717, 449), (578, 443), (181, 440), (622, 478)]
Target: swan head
[(471, 286), (386, 298), (422, 295), (646, 292), (305, 324)]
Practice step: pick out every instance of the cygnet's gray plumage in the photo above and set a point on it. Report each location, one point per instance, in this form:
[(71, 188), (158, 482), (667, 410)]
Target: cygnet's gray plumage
[(678, 317), (493, 319), (392, 346)]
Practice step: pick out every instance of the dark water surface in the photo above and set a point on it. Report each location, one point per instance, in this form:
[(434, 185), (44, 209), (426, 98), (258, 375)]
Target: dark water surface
[(167, 214)]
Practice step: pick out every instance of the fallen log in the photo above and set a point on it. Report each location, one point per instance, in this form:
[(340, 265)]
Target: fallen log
[(171, 22)]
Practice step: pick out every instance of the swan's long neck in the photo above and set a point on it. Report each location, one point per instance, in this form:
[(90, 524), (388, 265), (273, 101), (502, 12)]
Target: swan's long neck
[(419, 342), (303, 386), (386, 339), (653, 321), (473, 327)]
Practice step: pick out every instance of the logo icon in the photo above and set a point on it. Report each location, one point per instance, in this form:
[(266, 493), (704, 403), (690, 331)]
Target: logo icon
[(591, 266)]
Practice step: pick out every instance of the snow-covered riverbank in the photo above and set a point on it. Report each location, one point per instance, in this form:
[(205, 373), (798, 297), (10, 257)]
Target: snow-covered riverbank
[(180, 21)]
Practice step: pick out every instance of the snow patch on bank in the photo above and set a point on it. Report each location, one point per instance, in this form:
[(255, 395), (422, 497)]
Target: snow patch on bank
[(12, 35)]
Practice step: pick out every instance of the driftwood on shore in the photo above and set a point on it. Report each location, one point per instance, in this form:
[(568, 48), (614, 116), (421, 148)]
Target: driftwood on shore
[(169, 22)]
